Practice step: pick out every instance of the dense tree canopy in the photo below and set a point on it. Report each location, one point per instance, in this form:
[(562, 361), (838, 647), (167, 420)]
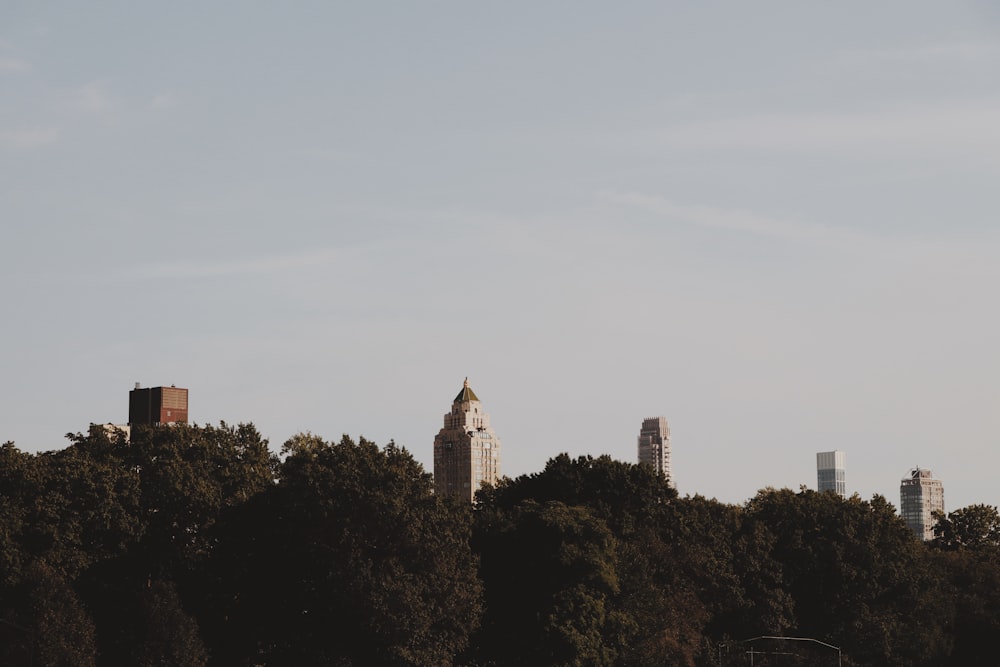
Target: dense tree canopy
[(854, 571), (194, 545), (973, 527), (349, 559)]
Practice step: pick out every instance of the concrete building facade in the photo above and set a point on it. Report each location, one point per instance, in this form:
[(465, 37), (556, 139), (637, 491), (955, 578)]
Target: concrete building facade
[(831, 472), (920, 495), (654, 446), (466, 449), (113, 430)]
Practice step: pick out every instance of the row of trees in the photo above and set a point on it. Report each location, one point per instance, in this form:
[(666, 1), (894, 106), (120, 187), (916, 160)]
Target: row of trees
[(194, 546)]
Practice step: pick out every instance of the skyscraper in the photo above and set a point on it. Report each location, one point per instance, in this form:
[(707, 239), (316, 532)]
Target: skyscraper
[(157, 405), (654, 446), (920, 495), (466, 449), (831, 472)]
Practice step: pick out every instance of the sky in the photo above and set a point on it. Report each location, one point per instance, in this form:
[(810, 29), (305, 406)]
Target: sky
[(773, 223)]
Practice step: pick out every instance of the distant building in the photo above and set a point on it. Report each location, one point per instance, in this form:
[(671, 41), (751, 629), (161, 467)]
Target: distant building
[(920, 495), (466, 449), (831, 473), (113, 430), (157, 405), (654, 446)]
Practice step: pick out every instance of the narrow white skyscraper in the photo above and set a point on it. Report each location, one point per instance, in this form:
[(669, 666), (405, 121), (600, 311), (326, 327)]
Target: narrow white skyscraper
[(831, 473), (654, 446)]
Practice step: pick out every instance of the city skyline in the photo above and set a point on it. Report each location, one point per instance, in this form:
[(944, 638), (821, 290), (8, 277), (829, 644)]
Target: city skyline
[(773, 224), (460, 475)]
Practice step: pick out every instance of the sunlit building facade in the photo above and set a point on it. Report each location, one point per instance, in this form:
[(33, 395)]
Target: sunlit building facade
[(152, 406), (466, 449), (654, 446), (920, 495), (831, 472)]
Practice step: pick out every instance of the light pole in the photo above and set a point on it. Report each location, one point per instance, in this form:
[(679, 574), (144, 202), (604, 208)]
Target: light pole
[(801, 639)]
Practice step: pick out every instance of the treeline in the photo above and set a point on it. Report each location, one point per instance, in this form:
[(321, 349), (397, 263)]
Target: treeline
[(195, 546)]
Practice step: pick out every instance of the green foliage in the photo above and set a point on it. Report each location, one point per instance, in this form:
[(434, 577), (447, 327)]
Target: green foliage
[(171, 636), (350, 559), (668, 559), (969, 556), (188, 476), (857, 576), (625, 495), (973, 527), (550, 572), (63, 632), (117, 514), (194, 546), (66, 507), (973, 576), (17, 495)]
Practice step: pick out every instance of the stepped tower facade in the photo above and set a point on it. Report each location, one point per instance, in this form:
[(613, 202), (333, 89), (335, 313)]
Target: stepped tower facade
[(466, 449)]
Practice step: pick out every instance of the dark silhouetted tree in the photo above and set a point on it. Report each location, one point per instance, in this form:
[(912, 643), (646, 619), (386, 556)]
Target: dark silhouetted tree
[(857, 576), (551, 574), (64, 634), (972, 527), (349, 560), (170, 636)]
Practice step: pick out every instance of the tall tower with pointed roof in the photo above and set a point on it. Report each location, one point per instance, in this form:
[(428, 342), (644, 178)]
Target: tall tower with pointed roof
[(466, 449)]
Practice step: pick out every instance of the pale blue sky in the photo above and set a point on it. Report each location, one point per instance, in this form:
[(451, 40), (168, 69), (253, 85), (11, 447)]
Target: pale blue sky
[(773, 223)]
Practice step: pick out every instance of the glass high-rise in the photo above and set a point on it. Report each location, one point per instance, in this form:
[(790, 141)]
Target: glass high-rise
[(831, 472), (920, 495)]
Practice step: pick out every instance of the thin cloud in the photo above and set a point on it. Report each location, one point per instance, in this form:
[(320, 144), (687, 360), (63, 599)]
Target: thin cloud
[(13, 65), (94, 98), (975, 258), (734, 220), (29, 138), (969, 127), (962, 53), (220, 269), (162, 101)]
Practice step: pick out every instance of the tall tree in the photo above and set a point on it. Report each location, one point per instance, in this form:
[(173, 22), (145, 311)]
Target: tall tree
[(626, 496), (672, 560), (859, 579), (968, 553), (64, 634), (551, 573), (972, 527), (150, 504), (170, 636), (349, 560), (974, 600), (188, 476), (17, 493)]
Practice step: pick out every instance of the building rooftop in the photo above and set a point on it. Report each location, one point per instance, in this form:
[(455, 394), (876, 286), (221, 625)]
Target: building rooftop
[(466, 394)]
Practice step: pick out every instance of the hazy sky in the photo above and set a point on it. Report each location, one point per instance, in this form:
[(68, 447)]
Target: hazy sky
[(773, 223)]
